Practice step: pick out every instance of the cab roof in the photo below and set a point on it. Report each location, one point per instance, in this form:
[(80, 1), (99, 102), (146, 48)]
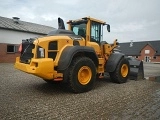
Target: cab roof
[(87, 18)]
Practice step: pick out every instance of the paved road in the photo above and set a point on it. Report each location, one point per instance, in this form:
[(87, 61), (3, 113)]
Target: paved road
[(24, 96), (151, 70)]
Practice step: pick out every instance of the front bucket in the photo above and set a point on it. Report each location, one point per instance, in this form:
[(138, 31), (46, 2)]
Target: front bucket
[(136, 70)]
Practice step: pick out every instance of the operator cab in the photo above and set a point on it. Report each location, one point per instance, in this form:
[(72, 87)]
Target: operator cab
[(89, 28)]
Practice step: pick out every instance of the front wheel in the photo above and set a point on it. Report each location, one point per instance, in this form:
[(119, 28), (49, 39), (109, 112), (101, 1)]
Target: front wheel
[(121, 73), (82, 75)]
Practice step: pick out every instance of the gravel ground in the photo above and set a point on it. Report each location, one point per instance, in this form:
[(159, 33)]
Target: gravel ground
[(24, 96)]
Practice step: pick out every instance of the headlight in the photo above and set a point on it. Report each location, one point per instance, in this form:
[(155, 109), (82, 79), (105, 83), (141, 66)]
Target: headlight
[(40, 52)]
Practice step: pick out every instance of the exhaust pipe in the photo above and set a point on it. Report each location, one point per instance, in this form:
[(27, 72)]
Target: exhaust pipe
[(61, 24)]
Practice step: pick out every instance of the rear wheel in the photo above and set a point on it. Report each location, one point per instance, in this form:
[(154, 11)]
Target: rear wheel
[(120, 74), (82, 75)]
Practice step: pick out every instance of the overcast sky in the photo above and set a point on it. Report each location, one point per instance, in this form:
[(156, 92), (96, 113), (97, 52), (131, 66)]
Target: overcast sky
[(137, 20)]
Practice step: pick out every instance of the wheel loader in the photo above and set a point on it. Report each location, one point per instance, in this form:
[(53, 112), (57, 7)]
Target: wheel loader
[(77, 56)]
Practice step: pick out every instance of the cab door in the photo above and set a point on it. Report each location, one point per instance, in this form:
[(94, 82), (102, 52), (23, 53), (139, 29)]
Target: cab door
[(95, 36)]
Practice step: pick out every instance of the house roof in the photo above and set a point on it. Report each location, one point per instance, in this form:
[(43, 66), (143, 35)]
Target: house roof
[(8, 23), (138, 46)]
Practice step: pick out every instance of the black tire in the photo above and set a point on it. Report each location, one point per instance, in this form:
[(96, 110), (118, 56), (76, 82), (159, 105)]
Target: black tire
[(82, 75), (119, 76)]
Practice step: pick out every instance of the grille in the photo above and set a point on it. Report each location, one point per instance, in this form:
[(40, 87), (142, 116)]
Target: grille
[(26, 53)]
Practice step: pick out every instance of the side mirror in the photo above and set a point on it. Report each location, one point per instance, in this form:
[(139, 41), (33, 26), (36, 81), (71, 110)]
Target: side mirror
[(60, 24), (108, 27)]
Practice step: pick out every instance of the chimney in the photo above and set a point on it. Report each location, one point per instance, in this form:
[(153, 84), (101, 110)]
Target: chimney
[(131, 43), (16, 19)]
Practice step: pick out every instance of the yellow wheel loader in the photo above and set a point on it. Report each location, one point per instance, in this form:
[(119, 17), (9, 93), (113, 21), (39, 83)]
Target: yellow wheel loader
[(77, 56)]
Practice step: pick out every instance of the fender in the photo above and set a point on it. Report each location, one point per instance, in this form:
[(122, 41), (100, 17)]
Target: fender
[(113, 61), (69, 52)]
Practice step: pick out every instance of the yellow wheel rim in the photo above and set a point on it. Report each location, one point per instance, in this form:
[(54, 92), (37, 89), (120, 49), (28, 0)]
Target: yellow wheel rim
[(124, 70), (84, 75)]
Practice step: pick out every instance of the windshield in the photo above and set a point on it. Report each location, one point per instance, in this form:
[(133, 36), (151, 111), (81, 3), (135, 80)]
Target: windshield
[(79, 29)]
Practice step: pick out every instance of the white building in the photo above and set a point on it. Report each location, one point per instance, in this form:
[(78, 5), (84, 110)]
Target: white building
[(13, 31)]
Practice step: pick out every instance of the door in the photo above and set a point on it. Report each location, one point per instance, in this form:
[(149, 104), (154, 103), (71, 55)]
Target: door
[(147, 59), (96, 32)]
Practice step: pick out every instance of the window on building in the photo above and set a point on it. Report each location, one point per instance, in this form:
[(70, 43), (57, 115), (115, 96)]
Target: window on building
[(154, 57), (147, 51), (12, 48)]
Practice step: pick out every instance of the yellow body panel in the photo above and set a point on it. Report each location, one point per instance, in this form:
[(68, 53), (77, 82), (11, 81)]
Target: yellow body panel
[(95, 46), (101, 65), (43, 68), (63, 42)]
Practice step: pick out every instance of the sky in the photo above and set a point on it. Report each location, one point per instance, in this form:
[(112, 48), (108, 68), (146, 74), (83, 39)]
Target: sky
[(137, 20)]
